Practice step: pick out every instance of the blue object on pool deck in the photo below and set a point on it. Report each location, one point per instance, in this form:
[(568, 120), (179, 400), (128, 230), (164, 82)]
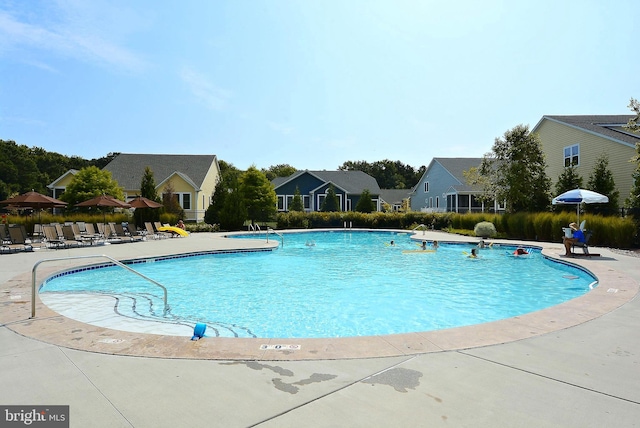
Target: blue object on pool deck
[(198, 331)]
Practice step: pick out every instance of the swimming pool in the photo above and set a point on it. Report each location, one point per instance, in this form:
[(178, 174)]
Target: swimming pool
[(347, 284)]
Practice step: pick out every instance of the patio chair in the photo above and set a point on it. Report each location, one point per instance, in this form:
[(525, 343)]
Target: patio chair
[(18, 238), (69, 237), (584, 245), (51, 237), (131, 230), (118, 231), (156, 234)]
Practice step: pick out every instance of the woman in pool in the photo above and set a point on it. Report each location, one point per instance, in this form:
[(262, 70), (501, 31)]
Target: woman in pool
[(474, 254), (520, 252)]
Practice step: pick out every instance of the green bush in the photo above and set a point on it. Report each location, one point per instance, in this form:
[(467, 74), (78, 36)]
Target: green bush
[(485, 229)]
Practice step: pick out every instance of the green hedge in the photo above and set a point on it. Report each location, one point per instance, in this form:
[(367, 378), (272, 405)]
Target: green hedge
[(607, 231)]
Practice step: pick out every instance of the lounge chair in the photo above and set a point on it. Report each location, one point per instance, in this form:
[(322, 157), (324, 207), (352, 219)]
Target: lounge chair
[(19, 238), (118, 231), (135, 233), (51, 237), (70, 239), (155, 233), (12, 240)]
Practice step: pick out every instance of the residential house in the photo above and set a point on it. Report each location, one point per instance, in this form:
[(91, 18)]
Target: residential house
[(394, 197), (313, 186), (581, 140), (60, 184), (443, 188), (192, 178)]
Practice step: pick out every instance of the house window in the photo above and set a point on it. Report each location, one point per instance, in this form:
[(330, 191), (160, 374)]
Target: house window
[(280, 203), (437, 201), (572, 155), (306, 201), (289, 200), (185, 199), (426, 187), (430, 202)]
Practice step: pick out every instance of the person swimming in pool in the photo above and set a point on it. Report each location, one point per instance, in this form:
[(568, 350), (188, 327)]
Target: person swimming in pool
[(423, 246), (435, 245), (520, 251), (474, 254)]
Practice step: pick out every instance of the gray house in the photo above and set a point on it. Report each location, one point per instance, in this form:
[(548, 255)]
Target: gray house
[(443, 188), (313, 186)]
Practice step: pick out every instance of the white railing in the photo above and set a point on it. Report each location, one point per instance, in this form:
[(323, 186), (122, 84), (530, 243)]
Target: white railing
[(421, 226), (269, 230), (114, 261)]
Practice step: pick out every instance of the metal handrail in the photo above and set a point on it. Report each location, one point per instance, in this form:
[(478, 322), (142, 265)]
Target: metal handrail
[(422, 226), (114, 261), (273, 231)]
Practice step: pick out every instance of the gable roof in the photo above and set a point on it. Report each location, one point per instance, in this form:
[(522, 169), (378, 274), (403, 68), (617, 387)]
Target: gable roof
[(128, 168), (350, 181), (606, 126), (394, 196), (62, 177), (457, 166)]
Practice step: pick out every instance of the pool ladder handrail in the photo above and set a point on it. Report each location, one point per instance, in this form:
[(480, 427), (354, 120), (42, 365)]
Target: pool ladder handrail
[(269, 230), (114, 261), (420, 226)]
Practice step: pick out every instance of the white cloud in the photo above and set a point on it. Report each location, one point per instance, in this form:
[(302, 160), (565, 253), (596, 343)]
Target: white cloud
[(63, 37), (202, 88)]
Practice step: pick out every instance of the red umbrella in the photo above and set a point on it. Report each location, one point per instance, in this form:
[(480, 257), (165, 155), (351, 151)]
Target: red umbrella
[(142, 202)]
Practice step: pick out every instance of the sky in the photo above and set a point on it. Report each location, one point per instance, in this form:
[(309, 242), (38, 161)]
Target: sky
[(308, 83)]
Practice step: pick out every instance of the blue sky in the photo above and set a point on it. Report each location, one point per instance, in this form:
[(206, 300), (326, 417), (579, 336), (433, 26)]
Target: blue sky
[(307, 83)]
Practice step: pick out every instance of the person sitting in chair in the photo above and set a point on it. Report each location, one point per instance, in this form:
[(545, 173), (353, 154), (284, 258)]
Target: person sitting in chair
[(576, 236)]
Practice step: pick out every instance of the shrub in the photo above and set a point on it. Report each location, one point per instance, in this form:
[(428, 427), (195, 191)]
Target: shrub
[(485, 229)]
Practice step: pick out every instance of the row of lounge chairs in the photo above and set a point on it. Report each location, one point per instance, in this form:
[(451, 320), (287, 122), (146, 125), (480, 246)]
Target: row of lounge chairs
[(14, 238)]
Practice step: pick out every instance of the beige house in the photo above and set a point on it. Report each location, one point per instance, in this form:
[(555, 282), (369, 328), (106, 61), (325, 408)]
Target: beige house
[(60, 184), (192, 178), (581, 140)]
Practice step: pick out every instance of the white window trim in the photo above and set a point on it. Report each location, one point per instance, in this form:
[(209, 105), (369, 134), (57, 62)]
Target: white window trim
[(564, 156)]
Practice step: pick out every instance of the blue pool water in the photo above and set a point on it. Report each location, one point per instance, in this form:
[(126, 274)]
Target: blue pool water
[(339, 284)]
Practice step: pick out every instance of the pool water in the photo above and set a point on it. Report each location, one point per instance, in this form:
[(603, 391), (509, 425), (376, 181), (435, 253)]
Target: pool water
[(340, 284)]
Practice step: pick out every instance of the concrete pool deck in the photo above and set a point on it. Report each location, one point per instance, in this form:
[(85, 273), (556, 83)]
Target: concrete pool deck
[(575, 364)]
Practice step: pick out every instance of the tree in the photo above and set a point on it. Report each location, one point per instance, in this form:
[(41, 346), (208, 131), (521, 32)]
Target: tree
[(568, 180), (632, 124), (147, 190), (170, 200), (633, 201), (296, 202), (90, 182), (388, 174), (330, 203), (514, 171), (281, 170), (259, 195), (365, 204), (234, 212), (227, 182), (148, 185), (601, 181)]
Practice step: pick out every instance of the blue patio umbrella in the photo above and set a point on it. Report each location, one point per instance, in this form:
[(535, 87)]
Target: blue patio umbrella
[(579, 196)]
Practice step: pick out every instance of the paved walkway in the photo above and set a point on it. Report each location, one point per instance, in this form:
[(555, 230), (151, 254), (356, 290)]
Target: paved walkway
[(576, 365)]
